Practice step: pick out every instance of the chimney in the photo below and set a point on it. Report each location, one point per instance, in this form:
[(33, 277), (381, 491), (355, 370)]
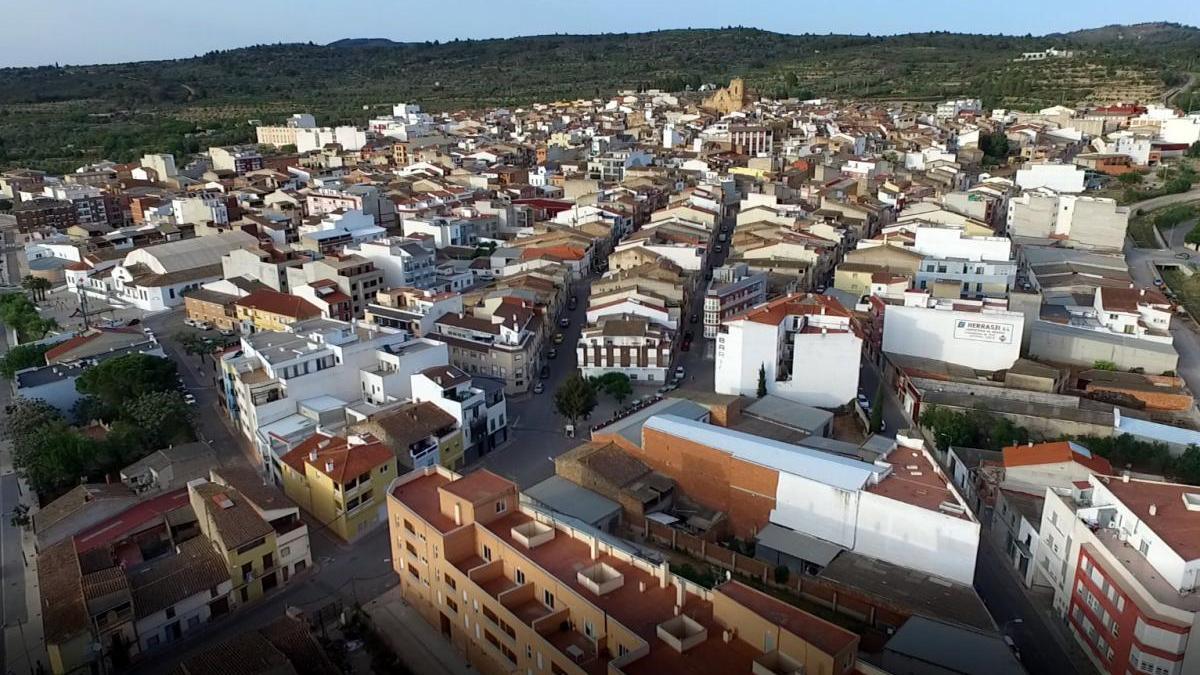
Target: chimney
[(1154, 509), (1125, 477), (457, 513), (312, 455), (329, 466), (595, 548), (679, 594), (664, 573)]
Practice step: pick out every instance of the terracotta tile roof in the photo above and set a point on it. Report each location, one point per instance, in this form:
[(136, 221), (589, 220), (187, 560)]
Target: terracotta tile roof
[(773, 312), (249, 653), (1055, 453), (163, 582), (64, 613), (283, 304), (446, 376), (235, 520), (337, 457), (78, 499), (479, 485), (1173, 522)]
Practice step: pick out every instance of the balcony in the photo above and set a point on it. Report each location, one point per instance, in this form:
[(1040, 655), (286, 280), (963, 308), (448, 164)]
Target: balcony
[(776, 663), (600, 578), (532, 534), (681, 633)]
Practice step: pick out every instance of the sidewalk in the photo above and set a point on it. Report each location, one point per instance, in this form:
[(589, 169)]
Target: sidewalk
[(421, 648), (24, 646)]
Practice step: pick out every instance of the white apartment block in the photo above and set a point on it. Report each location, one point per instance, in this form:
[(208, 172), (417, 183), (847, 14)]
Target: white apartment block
[(476, 403), (444, 231), (733, 290), (1084, 222), (628, 344), (806, 345), (322, 365), (202, 207), (404, 262), (1063, 178)]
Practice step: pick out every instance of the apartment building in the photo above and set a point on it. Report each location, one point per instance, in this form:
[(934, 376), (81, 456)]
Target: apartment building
[(91, 204), (1042, 216), (1122, 557), (325, 295), (354, 276), (628, 344), (477, 405), (264, 264), (273, 378), (154, 278), (802, 344), (414, 310), (331, 232), (443, 231), (517, 590), (34, 215), (733, 290), (419, 434), (340, 481), (404, 262), (503, 342), (239, 160), (201, 207)]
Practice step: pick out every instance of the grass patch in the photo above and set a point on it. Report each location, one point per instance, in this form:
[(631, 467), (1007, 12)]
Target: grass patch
[(1141, 229), (1186, 288)]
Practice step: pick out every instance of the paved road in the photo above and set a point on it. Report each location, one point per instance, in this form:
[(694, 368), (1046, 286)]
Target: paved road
[(1165, 200), (1016, 615), (12, 562)]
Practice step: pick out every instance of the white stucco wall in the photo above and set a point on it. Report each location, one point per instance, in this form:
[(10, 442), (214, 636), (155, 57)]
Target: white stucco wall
[(942, 335)]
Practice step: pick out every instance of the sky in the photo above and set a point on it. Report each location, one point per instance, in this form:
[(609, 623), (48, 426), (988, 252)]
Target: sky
[(111, 31)]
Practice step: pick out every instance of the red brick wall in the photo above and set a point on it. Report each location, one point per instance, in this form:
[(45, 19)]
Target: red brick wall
[(744, 491)]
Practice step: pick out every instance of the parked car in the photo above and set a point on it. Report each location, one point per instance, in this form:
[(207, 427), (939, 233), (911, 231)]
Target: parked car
[(557, 339), (564, 322), (538, 388), (695, 318), (685, 346), (679, 372), (553, 353), (227, 332), (573, 302), (203, 325), (544, 373)]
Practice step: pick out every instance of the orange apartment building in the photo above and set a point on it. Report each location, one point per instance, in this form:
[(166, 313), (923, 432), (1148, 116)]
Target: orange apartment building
[(518, 591)]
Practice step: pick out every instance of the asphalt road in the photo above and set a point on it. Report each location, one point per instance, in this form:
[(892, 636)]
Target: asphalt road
[(12, 561), (1016, 616)]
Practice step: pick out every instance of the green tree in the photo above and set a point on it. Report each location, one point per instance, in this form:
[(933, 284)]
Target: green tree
[(116, 381), (19, 312), (162, 417), (762, 381), (1193, 237), (1101, 364), (28, 416), (22, 357), (55, 459), (575, 398), (876, 421), (1194, 150), (616, 385), (1131, 178), (1186, 467)]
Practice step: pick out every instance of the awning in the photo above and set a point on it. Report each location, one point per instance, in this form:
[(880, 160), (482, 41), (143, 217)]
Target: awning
[(798, 544)]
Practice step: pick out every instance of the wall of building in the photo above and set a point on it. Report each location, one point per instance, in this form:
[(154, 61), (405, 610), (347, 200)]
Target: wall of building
[(1082, 347), (916, 537), (986, 341)]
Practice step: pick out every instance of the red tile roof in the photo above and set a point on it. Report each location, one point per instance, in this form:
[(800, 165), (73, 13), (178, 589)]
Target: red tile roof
[(827, 637), (337, 457), (1054, 453), (283, 304), (479, 485), (773, 312)]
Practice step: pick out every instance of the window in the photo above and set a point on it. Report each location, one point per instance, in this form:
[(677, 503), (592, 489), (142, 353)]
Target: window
[(285, 551), (152, 641), (520, 577), (589, 630), (487, 552), (193, 622), (170, 612), (548, 599), (501, 506)]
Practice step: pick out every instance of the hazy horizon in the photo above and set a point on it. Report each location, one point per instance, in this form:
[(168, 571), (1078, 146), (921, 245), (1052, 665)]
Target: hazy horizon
[(121, 31)]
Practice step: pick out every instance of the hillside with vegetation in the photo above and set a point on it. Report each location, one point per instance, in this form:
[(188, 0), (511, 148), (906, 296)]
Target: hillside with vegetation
[(57, 117)]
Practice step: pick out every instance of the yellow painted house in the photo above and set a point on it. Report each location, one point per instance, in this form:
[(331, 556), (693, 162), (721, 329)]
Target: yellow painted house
[(243, 538), (341, 481), (270, 310)]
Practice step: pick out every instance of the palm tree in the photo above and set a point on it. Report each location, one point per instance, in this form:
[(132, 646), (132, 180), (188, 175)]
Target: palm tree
[(42, 286)]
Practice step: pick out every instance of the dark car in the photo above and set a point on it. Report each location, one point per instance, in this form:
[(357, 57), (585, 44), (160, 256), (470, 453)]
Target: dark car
[(545, 373), (695, 318), (553, 353), (685, 346)]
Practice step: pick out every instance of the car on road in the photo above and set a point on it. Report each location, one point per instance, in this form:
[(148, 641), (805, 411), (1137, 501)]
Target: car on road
[(226, 332), (538, 388), (195, 323), (695, 318), (557, 339), (189, 399), (679, 372), (564, 322), (1158, 282), (573, 302), (689, 335), (544, 373), (685, 345), (551, 354), (1183, 255), (718, 248), (864, 402)]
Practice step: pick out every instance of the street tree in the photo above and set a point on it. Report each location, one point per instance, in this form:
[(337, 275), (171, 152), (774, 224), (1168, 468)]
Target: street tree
[(122, 379), (762, 381), (575, 398), (22, 357)]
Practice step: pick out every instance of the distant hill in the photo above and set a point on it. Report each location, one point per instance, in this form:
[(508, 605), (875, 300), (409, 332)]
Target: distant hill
[(48, 115)]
